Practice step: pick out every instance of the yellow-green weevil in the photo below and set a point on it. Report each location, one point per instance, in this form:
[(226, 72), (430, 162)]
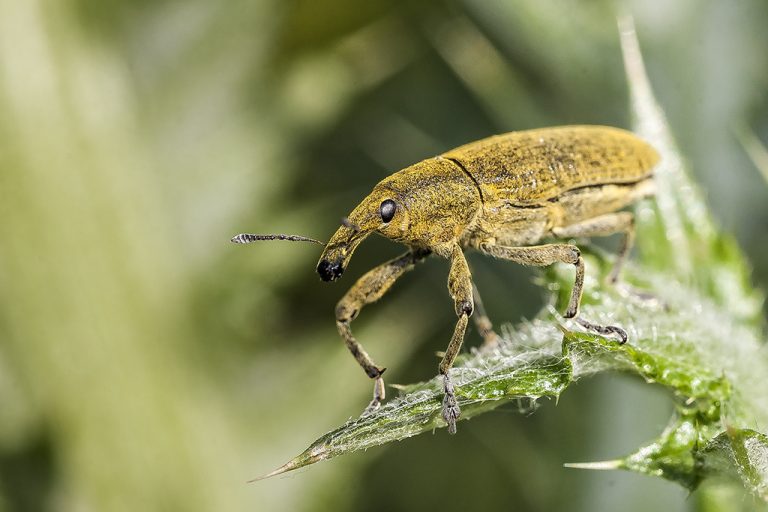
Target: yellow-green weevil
[(501, 196)]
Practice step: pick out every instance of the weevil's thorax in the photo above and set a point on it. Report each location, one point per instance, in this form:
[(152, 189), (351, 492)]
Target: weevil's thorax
[(437, 203)]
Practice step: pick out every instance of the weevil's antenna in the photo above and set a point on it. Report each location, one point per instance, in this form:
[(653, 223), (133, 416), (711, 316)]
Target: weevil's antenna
[(349, 224), (247, 238)]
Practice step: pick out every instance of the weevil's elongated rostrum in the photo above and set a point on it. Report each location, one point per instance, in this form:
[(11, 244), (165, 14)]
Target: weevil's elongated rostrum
[(501, 196)]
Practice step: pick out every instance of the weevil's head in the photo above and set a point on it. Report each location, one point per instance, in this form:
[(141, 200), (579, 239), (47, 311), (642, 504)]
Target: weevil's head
[(427, 205)]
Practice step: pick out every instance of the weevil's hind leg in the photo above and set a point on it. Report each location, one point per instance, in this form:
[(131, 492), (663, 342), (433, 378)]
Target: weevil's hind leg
[(370, 288), (545, 255), (460, 288), (606, 225), (482, 322)]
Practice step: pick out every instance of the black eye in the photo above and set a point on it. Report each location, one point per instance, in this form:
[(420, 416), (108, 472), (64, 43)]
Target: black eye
[(387, 210)]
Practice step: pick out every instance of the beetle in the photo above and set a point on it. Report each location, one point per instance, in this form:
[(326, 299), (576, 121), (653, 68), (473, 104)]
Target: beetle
[(501, 196)]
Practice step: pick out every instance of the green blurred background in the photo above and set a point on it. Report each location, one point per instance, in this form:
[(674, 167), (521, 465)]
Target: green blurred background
[(148, 364)]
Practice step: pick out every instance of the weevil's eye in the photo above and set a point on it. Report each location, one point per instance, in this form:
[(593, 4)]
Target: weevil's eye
[(387, 210)]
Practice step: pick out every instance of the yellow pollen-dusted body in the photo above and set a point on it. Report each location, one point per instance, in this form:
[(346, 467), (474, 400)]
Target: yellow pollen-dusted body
[(536, 180)]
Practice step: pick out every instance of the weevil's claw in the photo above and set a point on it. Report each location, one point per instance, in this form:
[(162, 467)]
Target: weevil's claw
[(451, 410), (605, 330)]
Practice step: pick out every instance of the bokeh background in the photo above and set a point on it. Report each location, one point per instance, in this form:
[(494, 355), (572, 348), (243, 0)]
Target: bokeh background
[(148, 364)]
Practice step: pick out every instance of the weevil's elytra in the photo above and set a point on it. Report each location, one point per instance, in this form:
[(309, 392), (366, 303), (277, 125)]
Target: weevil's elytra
[(501, 196)]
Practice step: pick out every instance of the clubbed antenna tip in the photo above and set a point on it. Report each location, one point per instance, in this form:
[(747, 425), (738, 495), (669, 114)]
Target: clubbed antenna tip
[(247, 238)]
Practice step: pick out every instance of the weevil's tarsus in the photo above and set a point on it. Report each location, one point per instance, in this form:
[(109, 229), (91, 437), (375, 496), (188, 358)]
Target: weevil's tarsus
[(605, 330), (247, 238), (451, 410)]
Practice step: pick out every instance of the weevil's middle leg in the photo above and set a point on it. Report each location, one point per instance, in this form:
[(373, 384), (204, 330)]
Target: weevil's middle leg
[(545, 255), (482, 322), (370, 288)]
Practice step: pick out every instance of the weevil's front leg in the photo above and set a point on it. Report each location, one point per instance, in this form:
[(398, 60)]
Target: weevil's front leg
[(370, 288), (460, 288), (545, 255), (605, 225)]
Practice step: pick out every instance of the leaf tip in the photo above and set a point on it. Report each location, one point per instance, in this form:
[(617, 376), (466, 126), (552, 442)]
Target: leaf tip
[(311, 455), (289, 466)]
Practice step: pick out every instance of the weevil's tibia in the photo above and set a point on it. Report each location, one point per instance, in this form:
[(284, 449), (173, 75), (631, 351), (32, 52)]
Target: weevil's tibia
[(370, 288), (545, 255), (247, 238)]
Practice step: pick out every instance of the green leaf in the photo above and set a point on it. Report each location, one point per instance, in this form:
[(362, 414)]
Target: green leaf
[(702, 339)]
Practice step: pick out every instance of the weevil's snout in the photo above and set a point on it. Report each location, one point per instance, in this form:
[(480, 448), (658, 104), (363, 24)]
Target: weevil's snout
[(329, 271), (362, 221), (336, 255)]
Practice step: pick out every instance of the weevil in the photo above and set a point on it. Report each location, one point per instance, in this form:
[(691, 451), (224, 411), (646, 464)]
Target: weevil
[(501, 196)]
